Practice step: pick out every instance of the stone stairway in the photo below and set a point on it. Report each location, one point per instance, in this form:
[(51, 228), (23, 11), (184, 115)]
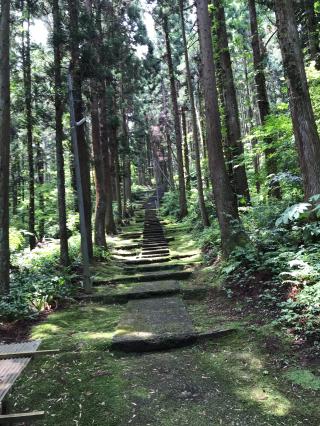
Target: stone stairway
[(156, 316)]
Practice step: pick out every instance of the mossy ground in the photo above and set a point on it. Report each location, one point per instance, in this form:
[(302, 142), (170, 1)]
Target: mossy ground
[(230, 381), (248, 378)]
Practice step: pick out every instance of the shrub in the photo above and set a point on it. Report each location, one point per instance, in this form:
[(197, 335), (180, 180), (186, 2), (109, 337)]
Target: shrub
[(37, 283)]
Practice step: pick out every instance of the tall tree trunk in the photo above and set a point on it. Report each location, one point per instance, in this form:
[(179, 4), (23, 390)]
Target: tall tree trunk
[(262, 96), (304, 126), (100, 213), (231, 105), (313, 33), (185, 148), (4, 145), (115, 157), (195, 131), (202, 131), (40, 181), (63, 232), (118, 181), (84, 156), (14, 185), (255, 160), (232, 234), (29, 123), (177, 126), (170, 162), (167, 134), (126, 166), (105, 143)]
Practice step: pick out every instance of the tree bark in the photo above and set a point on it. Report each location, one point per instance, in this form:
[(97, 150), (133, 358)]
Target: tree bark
[(100, 213), (40, 181), (117, 175), (255, 160), (110, 225), (262, 95), (177, 126), (304, 126), (126, 166), (185, 148), (166, 132), (63, 232), (115, 157), (84, 156), (4, 144), (231, 106), (313, 33), (26, 59), (232, 234), (195, 131)]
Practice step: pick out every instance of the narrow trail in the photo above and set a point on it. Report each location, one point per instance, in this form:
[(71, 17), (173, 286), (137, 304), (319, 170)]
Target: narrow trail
[(158, 318)]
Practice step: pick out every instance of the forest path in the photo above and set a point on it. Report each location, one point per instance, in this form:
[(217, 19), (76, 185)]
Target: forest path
[(230, 380), (155, 322)]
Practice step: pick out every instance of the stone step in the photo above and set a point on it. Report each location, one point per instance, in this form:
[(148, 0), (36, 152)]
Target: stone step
[(141, 291), (156, 255), (128, 247), (106, 296), (156, 245), (155, 250), (150, 323), (145, 277), (155, 241), (147, 261), (153, 267), (125, 254), (168, 239), (152, 238), (130, 235)]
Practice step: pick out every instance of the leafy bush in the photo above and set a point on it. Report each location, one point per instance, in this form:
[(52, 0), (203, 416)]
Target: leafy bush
[(37, 283), (16, 239), (170, 204)]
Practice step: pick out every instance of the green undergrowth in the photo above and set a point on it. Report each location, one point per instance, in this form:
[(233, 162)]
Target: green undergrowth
[(278, 273), (38, 282)]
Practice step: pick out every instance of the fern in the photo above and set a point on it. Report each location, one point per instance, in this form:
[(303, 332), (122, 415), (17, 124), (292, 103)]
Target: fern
[(293, 213)]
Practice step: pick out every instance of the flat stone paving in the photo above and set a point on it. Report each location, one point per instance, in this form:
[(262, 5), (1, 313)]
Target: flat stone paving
[(154, 323), (156, 286)]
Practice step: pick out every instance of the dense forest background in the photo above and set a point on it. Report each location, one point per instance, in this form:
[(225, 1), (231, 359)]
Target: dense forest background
[(220, 102)]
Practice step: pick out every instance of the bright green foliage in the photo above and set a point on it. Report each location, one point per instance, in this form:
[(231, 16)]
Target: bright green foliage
[(38, 282), (304, 378)]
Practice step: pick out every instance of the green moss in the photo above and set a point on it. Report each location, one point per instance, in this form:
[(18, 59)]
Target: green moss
[(81, 328), (73, 389), (304, 378)]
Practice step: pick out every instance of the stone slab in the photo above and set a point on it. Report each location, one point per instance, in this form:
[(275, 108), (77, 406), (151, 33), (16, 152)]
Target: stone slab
[(152, 268), (146, 277), (141, 291), (152, 324)]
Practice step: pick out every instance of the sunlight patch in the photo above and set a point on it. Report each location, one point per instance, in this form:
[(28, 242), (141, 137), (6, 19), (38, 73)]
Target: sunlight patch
[(270, 400)]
